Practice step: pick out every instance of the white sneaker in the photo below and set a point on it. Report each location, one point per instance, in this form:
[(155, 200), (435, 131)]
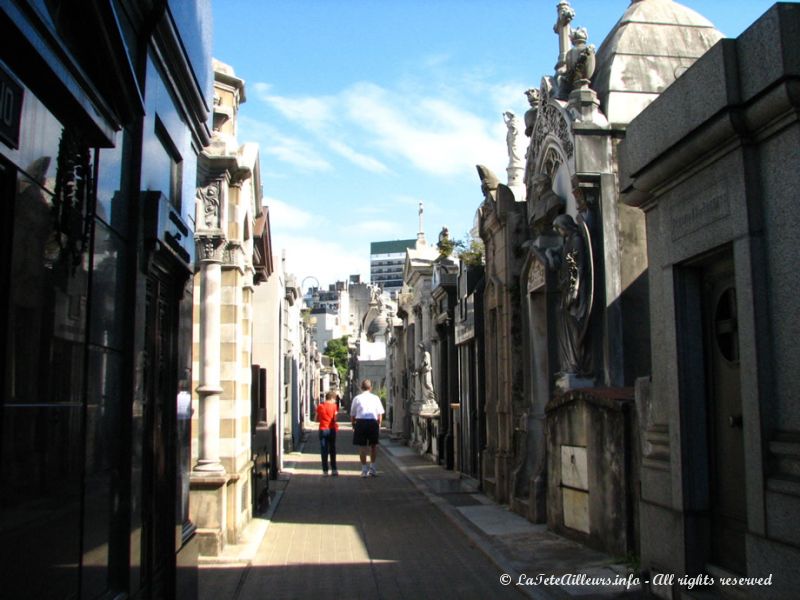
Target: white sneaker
[(364, 471), (372, 472)]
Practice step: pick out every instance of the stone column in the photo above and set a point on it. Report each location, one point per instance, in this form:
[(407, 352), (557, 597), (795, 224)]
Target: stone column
[(210, 248)]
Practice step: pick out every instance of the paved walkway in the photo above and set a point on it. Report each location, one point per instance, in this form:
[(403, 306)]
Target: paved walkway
[(416, 531)]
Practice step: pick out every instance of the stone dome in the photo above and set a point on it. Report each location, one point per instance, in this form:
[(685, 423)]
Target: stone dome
[(653, 43), (377, 326)]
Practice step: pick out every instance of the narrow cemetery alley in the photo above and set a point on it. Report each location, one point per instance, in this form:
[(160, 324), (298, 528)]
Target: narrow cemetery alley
[(415, 531), (544, 252)]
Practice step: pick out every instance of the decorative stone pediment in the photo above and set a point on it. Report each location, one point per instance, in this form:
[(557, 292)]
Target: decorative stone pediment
[(552, 122), (548, 179)]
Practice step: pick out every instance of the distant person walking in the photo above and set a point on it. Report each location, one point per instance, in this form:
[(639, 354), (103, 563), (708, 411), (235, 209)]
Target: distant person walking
[(365, 414), (326, 417), (335, 390)]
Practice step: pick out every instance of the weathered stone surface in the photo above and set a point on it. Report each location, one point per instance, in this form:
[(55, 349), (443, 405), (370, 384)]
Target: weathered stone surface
[(670, 119), (649, 47), (768, 49), (714, 161), (590, 467)]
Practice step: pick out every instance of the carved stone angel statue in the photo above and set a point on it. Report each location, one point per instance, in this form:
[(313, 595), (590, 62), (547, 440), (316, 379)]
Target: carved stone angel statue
[(425, 373), (574, 264), (512, 139)]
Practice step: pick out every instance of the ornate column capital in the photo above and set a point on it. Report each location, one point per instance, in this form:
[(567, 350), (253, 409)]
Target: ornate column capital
[(210, 247)]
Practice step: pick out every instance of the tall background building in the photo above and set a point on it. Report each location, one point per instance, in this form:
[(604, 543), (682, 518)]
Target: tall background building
[(386, 260)]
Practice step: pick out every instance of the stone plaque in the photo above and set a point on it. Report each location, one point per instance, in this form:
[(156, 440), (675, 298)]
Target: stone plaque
[(574, 472), (576, 509), (536, 276)]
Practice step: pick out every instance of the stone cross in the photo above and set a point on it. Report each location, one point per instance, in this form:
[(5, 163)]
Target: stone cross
[(562, 28), (421, 233)]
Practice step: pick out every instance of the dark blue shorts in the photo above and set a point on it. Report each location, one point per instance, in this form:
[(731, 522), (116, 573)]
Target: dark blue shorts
[(365, 432)]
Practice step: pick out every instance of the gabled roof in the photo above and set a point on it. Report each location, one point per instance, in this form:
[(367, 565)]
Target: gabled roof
[(262, 247)]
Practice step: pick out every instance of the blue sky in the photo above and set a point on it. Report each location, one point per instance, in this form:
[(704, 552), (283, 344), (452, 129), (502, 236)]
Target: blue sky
[(363, 108)]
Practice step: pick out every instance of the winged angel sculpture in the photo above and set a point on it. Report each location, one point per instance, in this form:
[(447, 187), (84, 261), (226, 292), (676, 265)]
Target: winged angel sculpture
[(574, 263)]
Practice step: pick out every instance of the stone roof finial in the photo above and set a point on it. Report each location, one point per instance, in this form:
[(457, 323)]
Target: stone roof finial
[(421, 233)]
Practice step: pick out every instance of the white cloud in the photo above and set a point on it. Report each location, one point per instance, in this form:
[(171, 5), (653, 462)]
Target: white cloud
[(315, 113), (372, 126), (266, 174), (316, 116), (260, 88), (287, 149), (509, 96), (326, 259), (285, 216), (376, 227), (407, 200), (435, 136), (366, 162), (297, 154)]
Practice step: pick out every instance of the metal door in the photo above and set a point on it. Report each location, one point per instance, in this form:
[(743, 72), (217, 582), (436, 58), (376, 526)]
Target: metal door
[(728, 508), (159, 468), (261, 443)]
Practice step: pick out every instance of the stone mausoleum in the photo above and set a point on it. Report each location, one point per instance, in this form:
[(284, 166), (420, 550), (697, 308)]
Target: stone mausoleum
[(566, 281), (713, 165)]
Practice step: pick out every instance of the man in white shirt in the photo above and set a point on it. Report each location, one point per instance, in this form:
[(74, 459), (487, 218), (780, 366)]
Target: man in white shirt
[(365, 415)]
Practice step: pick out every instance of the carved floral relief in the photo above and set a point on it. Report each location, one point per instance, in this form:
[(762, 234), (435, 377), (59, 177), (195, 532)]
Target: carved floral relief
[(210, 200)]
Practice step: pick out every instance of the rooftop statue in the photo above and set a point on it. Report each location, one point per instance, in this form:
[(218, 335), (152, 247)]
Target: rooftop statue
[(530, 115), (515, 166), (512, 138), (425, 373), (580, 60)]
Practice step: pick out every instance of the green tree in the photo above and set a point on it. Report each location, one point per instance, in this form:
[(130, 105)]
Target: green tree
[(470, 250), (340, 353)]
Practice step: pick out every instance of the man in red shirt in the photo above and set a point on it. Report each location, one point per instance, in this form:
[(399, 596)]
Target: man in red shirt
[(326, 417)]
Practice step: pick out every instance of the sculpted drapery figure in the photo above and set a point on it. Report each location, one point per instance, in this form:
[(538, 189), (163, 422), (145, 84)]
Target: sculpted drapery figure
[(515, 166), (512, 139), (425, 373), (573, 262)]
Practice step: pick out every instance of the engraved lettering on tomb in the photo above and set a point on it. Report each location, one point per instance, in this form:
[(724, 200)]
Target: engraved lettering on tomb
[(692, 215)]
